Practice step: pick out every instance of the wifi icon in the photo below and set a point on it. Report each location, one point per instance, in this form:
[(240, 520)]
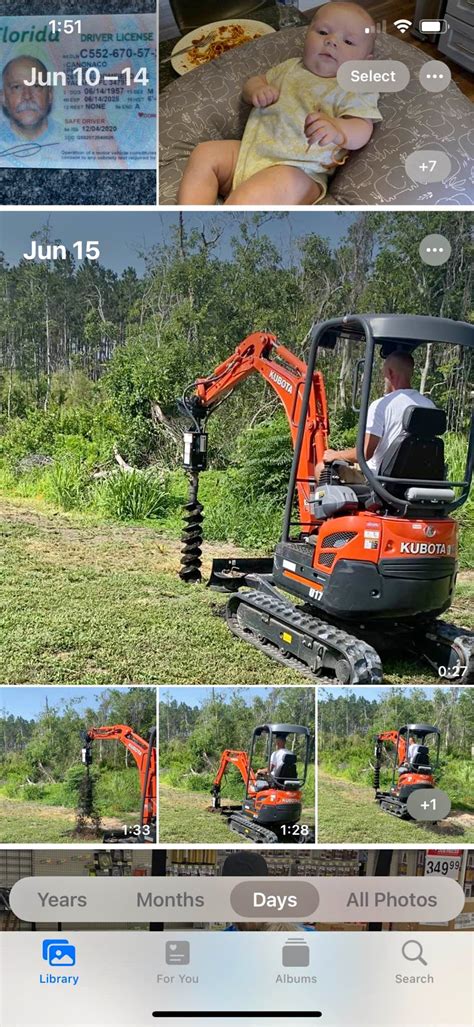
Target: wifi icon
[(403, 24)]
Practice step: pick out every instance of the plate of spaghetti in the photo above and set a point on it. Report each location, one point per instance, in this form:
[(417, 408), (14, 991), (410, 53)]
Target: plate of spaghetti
[(226, 35)]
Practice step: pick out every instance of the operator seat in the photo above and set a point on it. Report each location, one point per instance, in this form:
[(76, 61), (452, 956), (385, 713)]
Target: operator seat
[(418, 452), (421, 759), (287, 772)]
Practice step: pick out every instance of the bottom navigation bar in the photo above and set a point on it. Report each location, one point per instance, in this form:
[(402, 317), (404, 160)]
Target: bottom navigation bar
[(277, 971)]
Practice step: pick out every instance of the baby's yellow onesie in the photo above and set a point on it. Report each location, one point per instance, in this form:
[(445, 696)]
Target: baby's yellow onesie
[(275, 134)]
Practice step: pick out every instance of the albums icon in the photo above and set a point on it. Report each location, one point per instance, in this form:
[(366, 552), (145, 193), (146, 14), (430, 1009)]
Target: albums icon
[(295, 952)]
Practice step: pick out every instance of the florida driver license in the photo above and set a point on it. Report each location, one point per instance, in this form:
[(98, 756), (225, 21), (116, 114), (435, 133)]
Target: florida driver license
[(78, 92)]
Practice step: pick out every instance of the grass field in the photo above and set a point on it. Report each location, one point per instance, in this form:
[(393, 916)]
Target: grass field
[(96, 603), (22, 822), (185, 818), (348, 813)]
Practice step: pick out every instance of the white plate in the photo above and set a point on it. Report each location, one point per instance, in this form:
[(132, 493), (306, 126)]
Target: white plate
[(182, 63)]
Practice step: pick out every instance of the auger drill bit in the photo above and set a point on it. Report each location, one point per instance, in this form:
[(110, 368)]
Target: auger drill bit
[(192, 537), (377, 765)]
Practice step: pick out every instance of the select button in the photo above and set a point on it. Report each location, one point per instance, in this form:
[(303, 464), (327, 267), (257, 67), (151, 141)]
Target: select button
[(373, 76)]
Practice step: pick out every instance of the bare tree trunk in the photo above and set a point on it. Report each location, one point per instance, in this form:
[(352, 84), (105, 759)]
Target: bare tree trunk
[(426, 368), (48, 353), (181, 234), (10, 386)]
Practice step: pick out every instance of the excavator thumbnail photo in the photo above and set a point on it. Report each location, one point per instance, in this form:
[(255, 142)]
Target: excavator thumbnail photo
[(272, 803), (372, 562), (413, 766), (144, 754)]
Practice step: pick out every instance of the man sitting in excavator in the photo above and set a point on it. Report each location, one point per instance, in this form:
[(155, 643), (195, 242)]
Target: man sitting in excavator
[(384, 420), (277, 760)]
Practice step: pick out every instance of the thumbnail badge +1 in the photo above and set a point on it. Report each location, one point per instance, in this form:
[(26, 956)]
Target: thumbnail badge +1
[(78, 93)]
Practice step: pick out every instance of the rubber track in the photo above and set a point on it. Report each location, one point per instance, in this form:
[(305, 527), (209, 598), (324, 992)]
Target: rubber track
[(251, 830), (393, 810), (464, 644), (362, 658)]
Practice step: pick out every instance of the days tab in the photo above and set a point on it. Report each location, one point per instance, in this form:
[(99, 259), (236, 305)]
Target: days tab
[(267, 899)]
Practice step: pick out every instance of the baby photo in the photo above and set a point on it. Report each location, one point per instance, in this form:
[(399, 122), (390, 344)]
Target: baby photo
[(301, 126), (273, 115)]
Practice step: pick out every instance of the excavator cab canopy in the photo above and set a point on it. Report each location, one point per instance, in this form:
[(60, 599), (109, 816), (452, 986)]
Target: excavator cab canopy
[(413, 480), (394, 331), (418, 731), (427, 752), (287, 775)]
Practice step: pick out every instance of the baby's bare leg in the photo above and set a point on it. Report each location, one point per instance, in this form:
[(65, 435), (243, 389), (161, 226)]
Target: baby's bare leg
[(209, 172), (278, 185)]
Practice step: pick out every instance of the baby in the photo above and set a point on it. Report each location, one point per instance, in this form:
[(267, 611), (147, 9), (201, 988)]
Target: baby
[(302, 126)]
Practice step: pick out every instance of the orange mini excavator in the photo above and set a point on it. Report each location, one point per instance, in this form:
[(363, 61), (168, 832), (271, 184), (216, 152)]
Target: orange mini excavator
[(413, 766), (271, 809), (144, 754), (373, 565)]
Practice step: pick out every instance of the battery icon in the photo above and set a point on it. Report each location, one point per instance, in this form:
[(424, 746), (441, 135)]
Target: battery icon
[(433, 27)]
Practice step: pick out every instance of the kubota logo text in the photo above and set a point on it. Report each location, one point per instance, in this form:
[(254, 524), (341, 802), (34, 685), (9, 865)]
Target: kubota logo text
[(281, 381), (427, 548)]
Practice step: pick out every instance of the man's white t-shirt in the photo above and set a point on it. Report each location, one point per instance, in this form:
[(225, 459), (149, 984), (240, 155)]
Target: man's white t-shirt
[(276, 760), (385, 416)]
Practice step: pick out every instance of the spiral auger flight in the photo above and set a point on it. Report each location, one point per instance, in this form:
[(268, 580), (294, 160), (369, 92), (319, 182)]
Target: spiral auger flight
[(192, 537)]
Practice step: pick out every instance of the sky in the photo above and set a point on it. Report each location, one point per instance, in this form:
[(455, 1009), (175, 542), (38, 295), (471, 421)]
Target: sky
[(28, 702), (373, 693), (196, 696), (123, 234)]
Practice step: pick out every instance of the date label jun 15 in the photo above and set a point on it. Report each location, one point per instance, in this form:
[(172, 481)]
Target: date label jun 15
[(88, 250)]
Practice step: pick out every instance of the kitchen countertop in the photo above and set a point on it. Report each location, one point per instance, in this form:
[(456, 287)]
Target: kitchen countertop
[(75, 186)]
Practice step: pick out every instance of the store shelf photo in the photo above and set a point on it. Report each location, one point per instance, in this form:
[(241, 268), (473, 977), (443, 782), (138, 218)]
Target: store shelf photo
[(168, 870)]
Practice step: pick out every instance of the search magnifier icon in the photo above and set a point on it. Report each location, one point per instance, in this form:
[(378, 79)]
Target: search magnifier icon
[(413, 951)]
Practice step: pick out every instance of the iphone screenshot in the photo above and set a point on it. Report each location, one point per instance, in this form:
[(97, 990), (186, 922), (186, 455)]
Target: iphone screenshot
[(236, 513)]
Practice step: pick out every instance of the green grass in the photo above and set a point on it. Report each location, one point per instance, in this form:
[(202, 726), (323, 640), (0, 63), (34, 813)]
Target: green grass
[(348, 813), (92, 603), (23, 822), (352, 763), (115, 791), (183, 817)]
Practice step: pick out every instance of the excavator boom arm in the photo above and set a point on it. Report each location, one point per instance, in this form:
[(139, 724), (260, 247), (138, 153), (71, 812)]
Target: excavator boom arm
[(261, 353), (136, 745), (397, 740), (236, 758), (139, 749)]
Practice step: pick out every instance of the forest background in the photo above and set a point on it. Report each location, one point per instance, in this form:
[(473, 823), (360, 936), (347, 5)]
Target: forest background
[(92, 363)]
